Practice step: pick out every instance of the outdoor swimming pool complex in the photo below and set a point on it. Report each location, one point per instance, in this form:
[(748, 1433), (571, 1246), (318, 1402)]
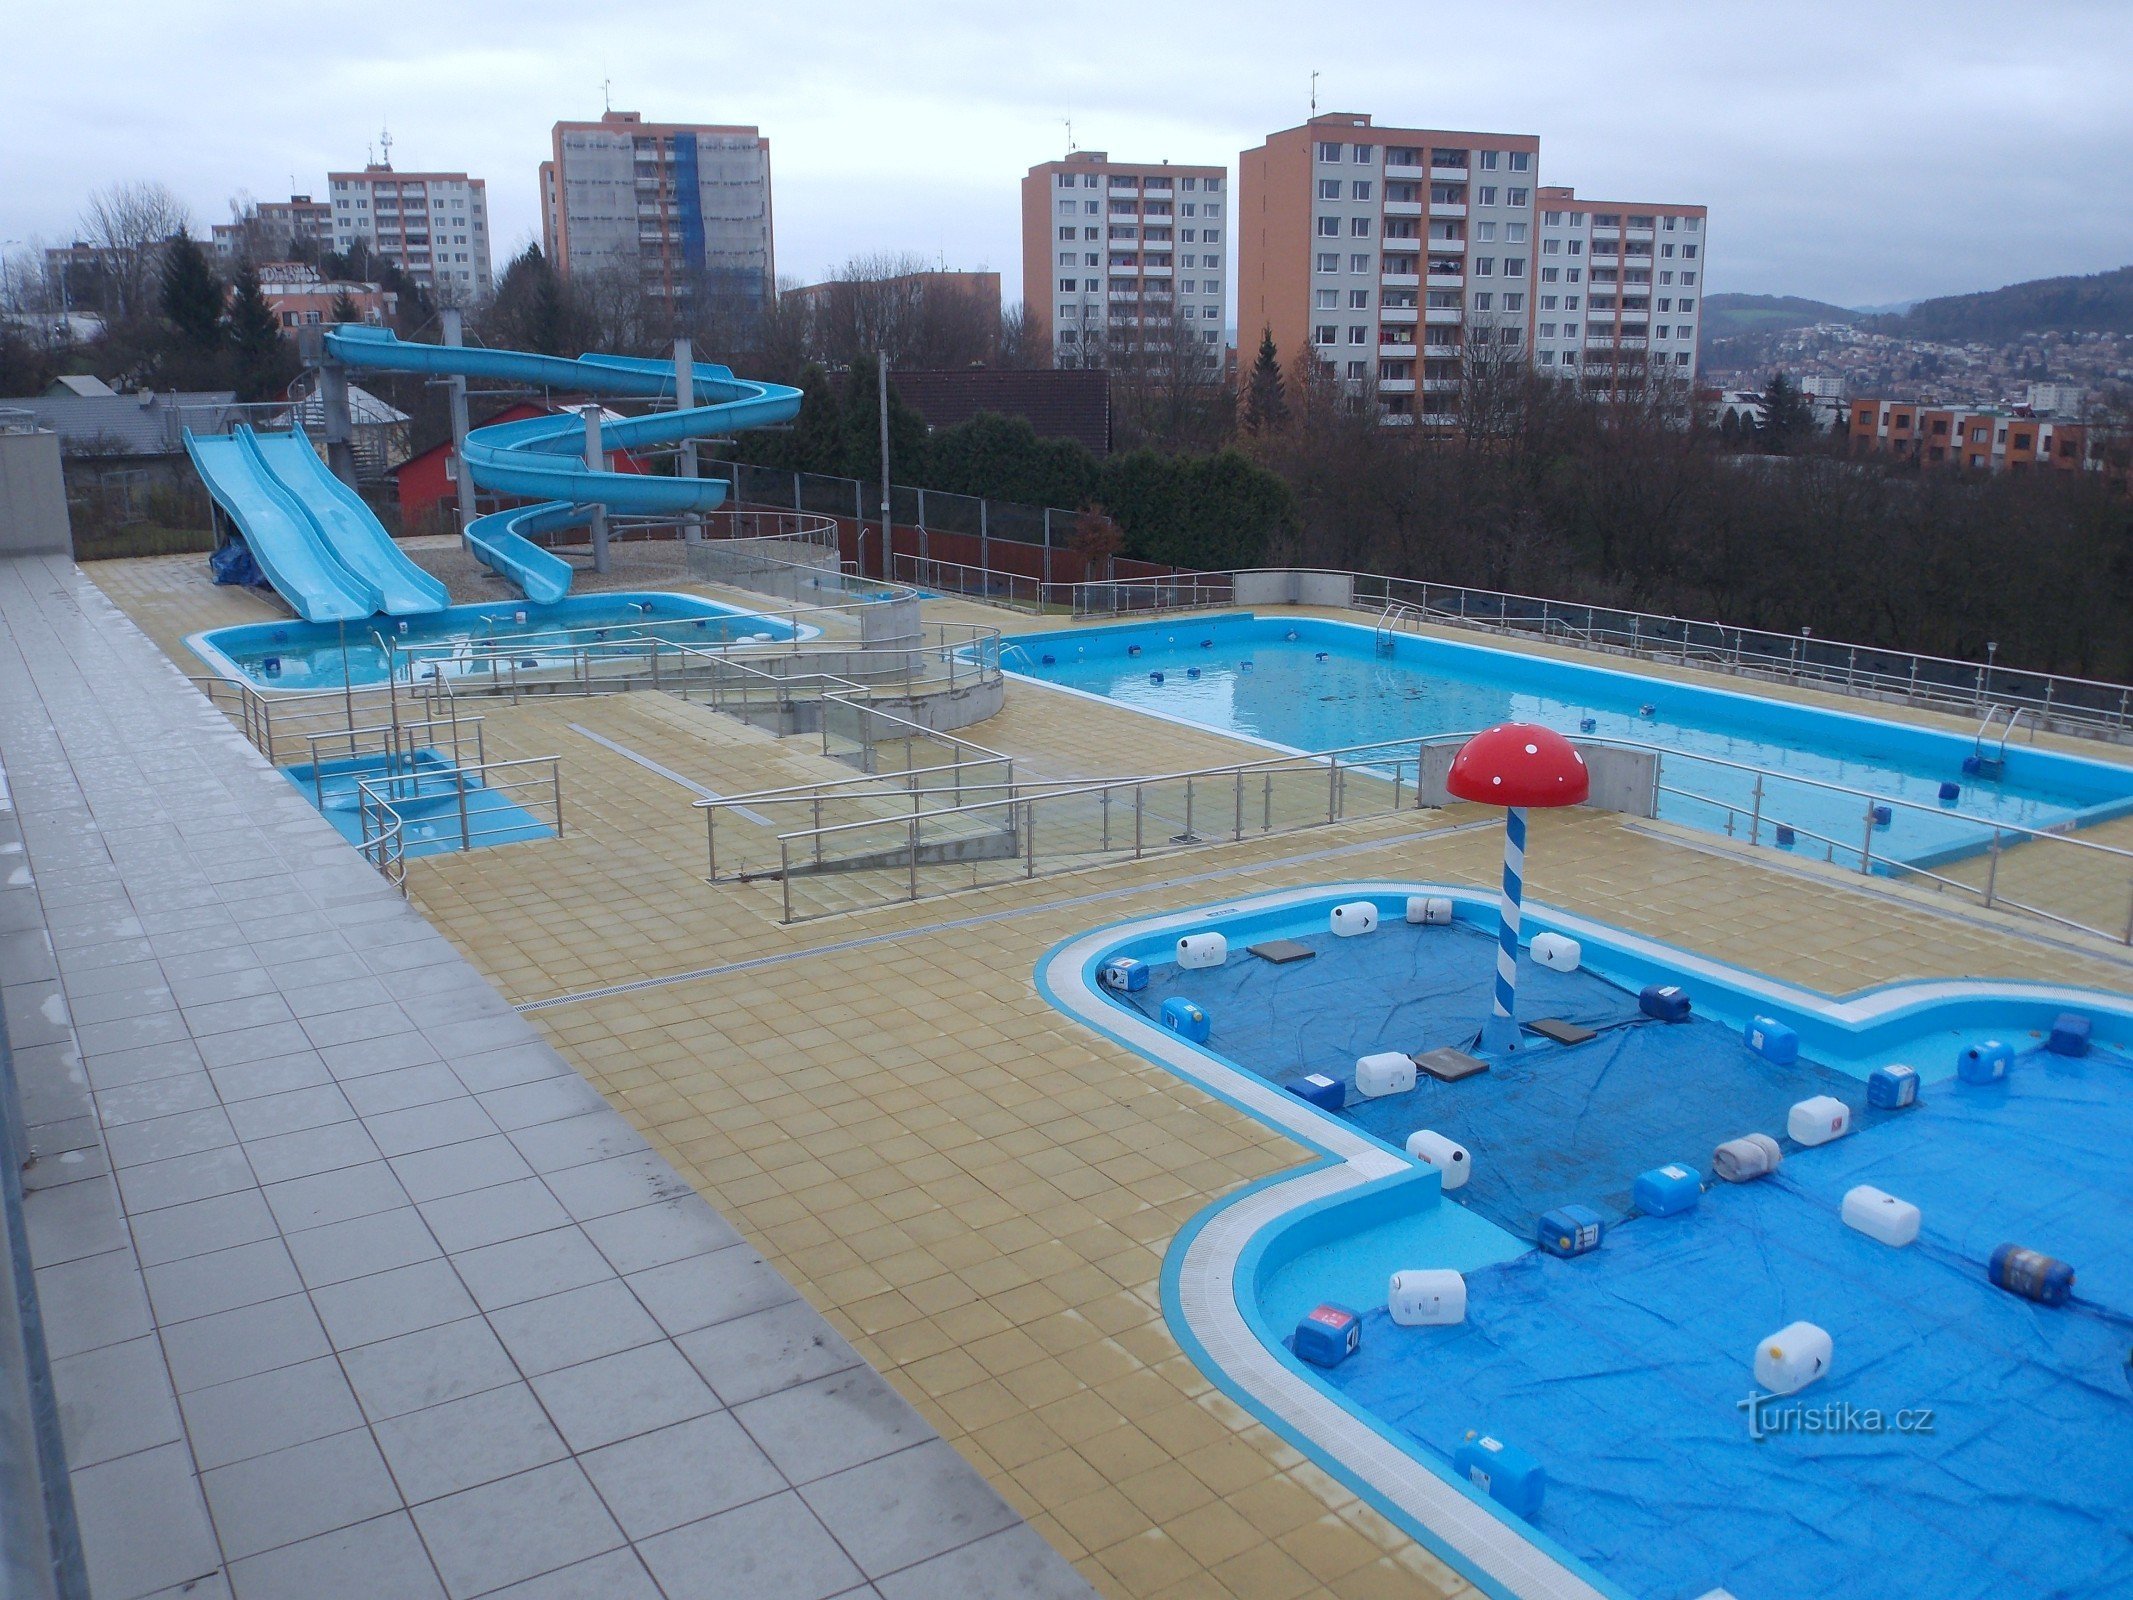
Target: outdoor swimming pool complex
[(1313, 685), (295, 656), (1623, 1371)]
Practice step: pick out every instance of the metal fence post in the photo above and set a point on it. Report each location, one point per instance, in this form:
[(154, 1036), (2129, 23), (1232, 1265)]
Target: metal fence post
[(1029, 838), (1992, 868), (1333, 789), (1138, 812)]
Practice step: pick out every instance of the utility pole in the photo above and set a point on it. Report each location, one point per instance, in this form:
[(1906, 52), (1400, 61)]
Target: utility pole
[(881, 361), (596, 461), (456, 393), (692, 528)]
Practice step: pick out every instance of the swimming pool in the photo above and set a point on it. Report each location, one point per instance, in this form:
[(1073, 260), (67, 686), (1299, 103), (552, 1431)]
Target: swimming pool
[(1624, 1370), (437, 808), (1307, 684), (294, 656)]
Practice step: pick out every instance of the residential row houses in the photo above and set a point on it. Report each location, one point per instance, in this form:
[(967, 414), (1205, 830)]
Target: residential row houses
[(1986, 438)]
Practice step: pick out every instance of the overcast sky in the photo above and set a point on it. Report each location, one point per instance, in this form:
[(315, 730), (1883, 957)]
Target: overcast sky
[(1860, 152)]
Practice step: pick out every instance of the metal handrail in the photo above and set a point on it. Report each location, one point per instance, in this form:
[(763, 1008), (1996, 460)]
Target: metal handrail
[(386, 847)]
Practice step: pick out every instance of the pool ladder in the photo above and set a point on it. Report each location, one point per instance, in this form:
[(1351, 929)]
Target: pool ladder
[(1389, 621), (1992, 762)]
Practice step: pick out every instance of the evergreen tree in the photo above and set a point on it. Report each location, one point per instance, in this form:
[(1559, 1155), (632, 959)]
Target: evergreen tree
[(1266, 402), (261, 359), (533, 309), (1788, 416), (192, 297), (344, 309), (816, 442), (862, 429)]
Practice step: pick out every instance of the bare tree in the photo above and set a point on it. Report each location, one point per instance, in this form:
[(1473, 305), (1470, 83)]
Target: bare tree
[(1022, 341), (128, 225), (920, 316)]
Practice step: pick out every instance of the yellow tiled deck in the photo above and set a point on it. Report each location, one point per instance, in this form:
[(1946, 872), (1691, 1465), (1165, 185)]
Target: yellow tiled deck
[(978, 1192)]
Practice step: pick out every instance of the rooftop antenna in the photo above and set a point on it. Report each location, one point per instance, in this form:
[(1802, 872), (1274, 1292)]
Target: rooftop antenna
[(1070, 135), (385, 147), (607, 94), (1314, 94)]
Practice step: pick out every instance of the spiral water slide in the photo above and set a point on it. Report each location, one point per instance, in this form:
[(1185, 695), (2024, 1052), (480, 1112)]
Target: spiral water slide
[(542, 459)]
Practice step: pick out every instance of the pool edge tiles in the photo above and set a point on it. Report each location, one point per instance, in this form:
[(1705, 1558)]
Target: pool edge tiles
[(1219, 1262)]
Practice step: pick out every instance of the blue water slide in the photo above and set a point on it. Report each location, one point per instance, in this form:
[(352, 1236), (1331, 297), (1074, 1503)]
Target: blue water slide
[(543, 458), (281, 534), (354, 535)]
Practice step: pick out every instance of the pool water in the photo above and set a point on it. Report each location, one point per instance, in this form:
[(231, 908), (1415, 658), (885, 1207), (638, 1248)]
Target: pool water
[(1311, 685), (1625, 1371), (295, 656), (426, 794)]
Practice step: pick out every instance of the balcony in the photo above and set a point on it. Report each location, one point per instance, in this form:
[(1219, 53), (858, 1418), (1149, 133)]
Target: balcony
[(1446, 246), (1400, 280), (1403, 208), (1398, 351), (1444, 316), (1442, 208), (1440, 385), (1448, 174), (1406, 172), (1155, 272), (1396, 386), (1397, 315)]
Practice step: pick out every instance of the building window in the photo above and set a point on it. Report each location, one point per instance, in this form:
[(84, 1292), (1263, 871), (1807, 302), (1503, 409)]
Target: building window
[(1572, 274), (1066, 233), (1551, 274), (1489, 159), (1066, 285), (1517, 197), (1547, 330), (1485, 232), (1521, 160), (1485, 195), (1329, 261), (1365, 154), (1484, 266), (1551, 247), (1360, 188), (1358, 299), (1329, 188), (1325, 299), (1514, 266), (1359, 227), (1514, 302), (1329, 227), (1514, 233), (1685, 331), (1325, 333), (1688, 252), (1570, 330), (1484, 301), (1329, 152), (1210, 235)]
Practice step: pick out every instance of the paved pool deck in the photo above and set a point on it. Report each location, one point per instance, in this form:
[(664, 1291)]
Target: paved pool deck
[(975, 1193), (353, 1285)]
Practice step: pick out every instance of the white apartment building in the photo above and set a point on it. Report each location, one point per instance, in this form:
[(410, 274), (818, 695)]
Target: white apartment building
[(682, 207), (433, 226), (1618, 293), (1121, 259)]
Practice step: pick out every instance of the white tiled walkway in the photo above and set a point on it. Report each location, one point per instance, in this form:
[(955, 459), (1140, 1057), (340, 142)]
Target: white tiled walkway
[(353, 1286)]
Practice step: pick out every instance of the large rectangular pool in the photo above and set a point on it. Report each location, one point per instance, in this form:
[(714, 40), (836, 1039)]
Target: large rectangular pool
[(1305, 684)]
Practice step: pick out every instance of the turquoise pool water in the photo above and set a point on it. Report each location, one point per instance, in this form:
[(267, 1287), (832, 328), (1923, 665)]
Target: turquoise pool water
[(429, 797), (294, 656), (1305, 684), (1627, 1372)]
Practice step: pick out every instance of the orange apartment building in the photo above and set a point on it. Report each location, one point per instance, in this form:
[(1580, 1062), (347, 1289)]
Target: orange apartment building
[(1983, 438), (1616, 306), (1119, 256)]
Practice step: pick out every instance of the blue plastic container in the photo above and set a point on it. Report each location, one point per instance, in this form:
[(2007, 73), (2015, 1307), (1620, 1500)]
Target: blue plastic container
[(1155, 677), (2031, 1274), (1329, 1093), (1891, 1088), (1503, 1472), (1328, 1335), (2069, 1035), (1184, 1018), (1786, 837), (1984, 1063), (1588, 724), (1667, 1191), (1972, 766), (1772, 1040), (1951, 790), (1570, 1230), (1669, 1002), (1126, 975), (1192, 672)]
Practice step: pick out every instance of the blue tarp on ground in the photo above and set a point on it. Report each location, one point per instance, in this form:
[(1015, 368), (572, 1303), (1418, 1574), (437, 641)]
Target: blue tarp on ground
[(1622, 1371)]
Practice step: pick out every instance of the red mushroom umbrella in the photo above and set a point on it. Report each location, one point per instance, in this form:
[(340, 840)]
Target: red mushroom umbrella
[(1515, 765)]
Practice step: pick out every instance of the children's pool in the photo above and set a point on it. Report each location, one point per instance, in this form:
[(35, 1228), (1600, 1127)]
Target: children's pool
[(294, 656), (438, 807), (1313, 685), (1966, 1443)]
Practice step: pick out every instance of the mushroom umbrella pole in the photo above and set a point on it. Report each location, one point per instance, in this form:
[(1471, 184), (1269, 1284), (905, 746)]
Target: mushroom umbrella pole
[(1515, 765)]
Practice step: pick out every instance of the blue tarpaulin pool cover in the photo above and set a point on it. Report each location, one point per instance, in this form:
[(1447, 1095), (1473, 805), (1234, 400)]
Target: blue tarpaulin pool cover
[(1623, 1371)]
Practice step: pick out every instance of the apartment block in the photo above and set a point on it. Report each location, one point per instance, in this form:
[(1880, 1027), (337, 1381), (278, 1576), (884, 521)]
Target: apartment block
[(1984, 438), (683, 207), (1122, 259), (1616, 302), (1410, 260), (276, 230), (433, 226)]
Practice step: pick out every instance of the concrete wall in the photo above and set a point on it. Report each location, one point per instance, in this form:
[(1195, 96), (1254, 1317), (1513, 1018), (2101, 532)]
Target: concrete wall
[(1622, 780), (1287, 587), (33, 496)]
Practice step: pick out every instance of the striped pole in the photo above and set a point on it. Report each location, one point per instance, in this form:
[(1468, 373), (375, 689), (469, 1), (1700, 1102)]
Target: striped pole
[(1501, 1033)]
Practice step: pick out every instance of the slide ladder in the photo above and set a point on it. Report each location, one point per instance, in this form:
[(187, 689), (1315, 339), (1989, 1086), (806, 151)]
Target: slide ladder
[(542, 459)]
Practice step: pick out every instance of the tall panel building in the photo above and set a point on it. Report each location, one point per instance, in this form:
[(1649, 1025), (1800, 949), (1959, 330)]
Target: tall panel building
[(433, 226), (1618, 291), (1410, 260), (683, 206), (1120, 258)]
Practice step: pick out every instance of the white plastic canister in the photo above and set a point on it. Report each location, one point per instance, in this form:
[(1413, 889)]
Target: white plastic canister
[(1431, 910), (1880, 1215), (1202, 950), (1357, 916), (1557, 953), (1431, 1297), (1792, 1358), (1387, 1072), (1819, 1119), (1432, 1149)]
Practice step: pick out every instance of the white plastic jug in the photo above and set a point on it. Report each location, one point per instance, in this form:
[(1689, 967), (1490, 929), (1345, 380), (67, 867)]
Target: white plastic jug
[(1432, 1149), (1202, 950), (1432, 1297), (1387, 1072), (1819, 1119), (1357, 916), (1792, 1358), (1429, 910), (1557, 953), (1880, 1215)]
